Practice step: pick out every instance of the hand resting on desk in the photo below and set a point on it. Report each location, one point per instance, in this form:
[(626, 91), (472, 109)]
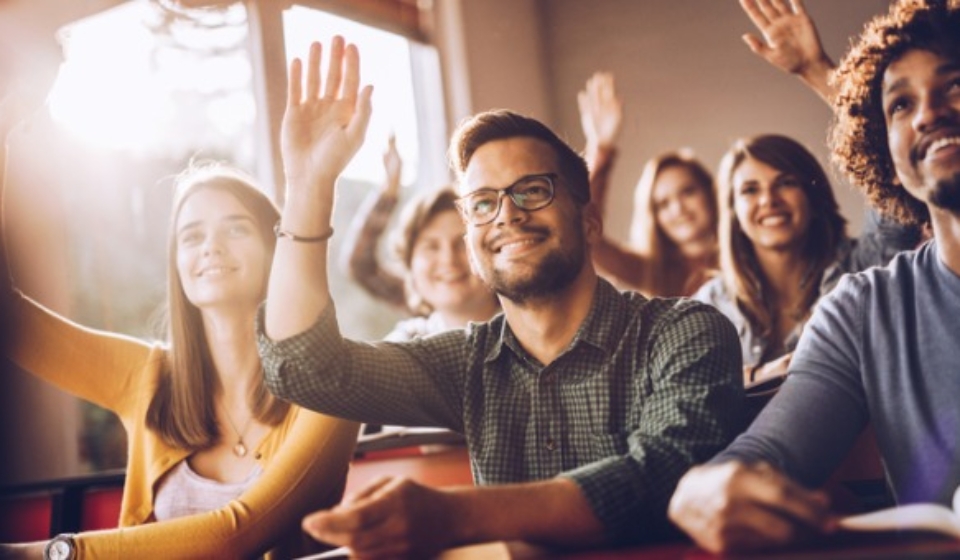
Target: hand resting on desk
[(395, 517), (737, 507)]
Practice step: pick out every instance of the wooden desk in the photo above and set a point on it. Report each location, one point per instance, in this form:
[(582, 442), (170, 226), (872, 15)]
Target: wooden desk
[(848, 546), (446, 466)]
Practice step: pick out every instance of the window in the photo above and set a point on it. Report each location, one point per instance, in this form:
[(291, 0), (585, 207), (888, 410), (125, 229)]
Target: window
[(142, 90)]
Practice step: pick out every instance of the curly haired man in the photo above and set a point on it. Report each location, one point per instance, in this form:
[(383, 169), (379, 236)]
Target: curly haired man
[(881, 348)]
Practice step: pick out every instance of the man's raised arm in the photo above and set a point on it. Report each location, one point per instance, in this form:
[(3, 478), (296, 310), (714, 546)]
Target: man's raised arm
[(323, 127)]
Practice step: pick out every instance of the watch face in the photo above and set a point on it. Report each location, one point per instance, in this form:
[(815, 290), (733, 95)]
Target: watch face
[(59, 550)]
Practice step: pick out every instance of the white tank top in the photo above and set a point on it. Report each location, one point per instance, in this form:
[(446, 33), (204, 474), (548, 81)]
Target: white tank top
[(184, 492)]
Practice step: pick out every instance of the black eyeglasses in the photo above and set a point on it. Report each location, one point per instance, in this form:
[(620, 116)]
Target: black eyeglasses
[(530, 193)]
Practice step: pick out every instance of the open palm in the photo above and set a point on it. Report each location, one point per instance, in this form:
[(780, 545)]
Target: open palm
[(790, 41), (324, 123)]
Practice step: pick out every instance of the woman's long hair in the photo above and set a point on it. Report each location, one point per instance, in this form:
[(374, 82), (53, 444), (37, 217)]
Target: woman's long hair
[(666, 273), (182, 410), (738, 260)]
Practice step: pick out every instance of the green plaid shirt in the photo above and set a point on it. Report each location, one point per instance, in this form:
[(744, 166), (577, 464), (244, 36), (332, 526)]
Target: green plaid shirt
[(646, 389)]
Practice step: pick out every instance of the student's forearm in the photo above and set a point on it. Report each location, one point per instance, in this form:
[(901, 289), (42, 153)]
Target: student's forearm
[(817, 78), (298, 291), (552, 512)]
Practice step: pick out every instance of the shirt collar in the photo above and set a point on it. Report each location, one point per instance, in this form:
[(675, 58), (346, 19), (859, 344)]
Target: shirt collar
[(602, 328)]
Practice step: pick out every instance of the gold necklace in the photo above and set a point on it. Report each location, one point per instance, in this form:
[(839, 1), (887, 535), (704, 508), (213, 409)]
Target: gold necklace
[(239, 448)]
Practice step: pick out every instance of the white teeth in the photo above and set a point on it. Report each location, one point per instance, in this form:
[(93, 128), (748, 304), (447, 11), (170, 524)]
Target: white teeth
[(943, 143), (773, 220), (516, 245), (217, 270)]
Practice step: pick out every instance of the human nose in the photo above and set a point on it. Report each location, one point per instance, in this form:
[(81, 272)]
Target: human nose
[(674, 208), (508, 211), (768, 195), (931, 111), (447, 253), (212, 245)]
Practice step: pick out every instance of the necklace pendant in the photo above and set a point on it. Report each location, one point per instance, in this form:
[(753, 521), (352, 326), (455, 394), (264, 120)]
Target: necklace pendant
[(240, 450)]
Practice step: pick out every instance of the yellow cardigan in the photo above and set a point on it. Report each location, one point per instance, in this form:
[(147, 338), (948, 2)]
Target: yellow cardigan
[(304, 459)]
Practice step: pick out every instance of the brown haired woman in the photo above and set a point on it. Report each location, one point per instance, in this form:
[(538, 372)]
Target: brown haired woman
[(217, 467), (783, 245)]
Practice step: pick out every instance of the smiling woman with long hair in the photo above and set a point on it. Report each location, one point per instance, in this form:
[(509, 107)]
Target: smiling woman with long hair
[(783, 245), (217, 466)]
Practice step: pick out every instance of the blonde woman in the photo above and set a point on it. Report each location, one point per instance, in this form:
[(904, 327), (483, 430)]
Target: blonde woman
[(673, 248)]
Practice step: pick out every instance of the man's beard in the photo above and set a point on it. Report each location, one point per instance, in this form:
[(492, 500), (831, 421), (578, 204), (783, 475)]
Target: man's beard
[(946, 194), (555, 273)]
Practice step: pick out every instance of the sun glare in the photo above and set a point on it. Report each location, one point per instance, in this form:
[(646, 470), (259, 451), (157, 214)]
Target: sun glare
[(126, 87), (123, 86)]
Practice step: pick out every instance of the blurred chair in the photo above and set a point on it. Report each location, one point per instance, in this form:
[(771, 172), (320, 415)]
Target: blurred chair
[(39, 510)]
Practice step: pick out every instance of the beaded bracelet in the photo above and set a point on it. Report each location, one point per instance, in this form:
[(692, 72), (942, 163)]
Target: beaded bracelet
[(293, 237)]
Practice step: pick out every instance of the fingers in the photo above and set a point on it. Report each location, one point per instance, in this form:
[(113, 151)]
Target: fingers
[(357, 127), (770, 9), (369, 520), (755, 14), (368, 490), (351, 74), (779, 494), (313, 70), (294, 86), (763, 13), (756, 45), (343, 74), (335, 69), (781, 7), (740, 507)]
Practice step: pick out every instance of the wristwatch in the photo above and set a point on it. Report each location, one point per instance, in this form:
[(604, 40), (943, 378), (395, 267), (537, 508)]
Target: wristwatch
[(60, 547)]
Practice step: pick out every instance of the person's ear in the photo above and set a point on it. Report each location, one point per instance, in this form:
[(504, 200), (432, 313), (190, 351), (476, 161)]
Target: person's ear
[(592, 223)]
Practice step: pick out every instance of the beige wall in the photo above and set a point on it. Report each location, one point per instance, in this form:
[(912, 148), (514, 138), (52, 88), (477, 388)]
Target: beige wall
[(685, 76), (494, 55)]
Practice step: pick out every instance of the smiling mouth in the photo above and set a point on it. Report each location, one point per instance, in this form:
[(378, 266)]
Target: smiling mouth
[(941, 144), (517, 245), (925, 149), (214, 271), (774, 220), (451, 279)]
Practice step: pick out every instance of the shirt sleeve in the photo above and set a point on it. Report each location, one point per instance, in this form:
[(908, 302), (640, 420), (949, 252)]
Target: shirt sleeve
[(307, 473), (882, 238), (97, 366), (360, 250), (810, 425), (691, 407), (413, 383)]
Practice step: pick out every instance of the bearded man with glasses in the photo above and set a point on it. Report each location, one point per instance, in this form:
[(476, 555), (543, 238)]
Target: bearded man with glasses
[(581, 406)]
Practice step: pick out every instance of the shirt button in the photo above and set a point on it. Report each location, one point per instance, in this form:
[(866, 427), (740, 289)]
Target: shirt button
[(549, 378), (551, 444)]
